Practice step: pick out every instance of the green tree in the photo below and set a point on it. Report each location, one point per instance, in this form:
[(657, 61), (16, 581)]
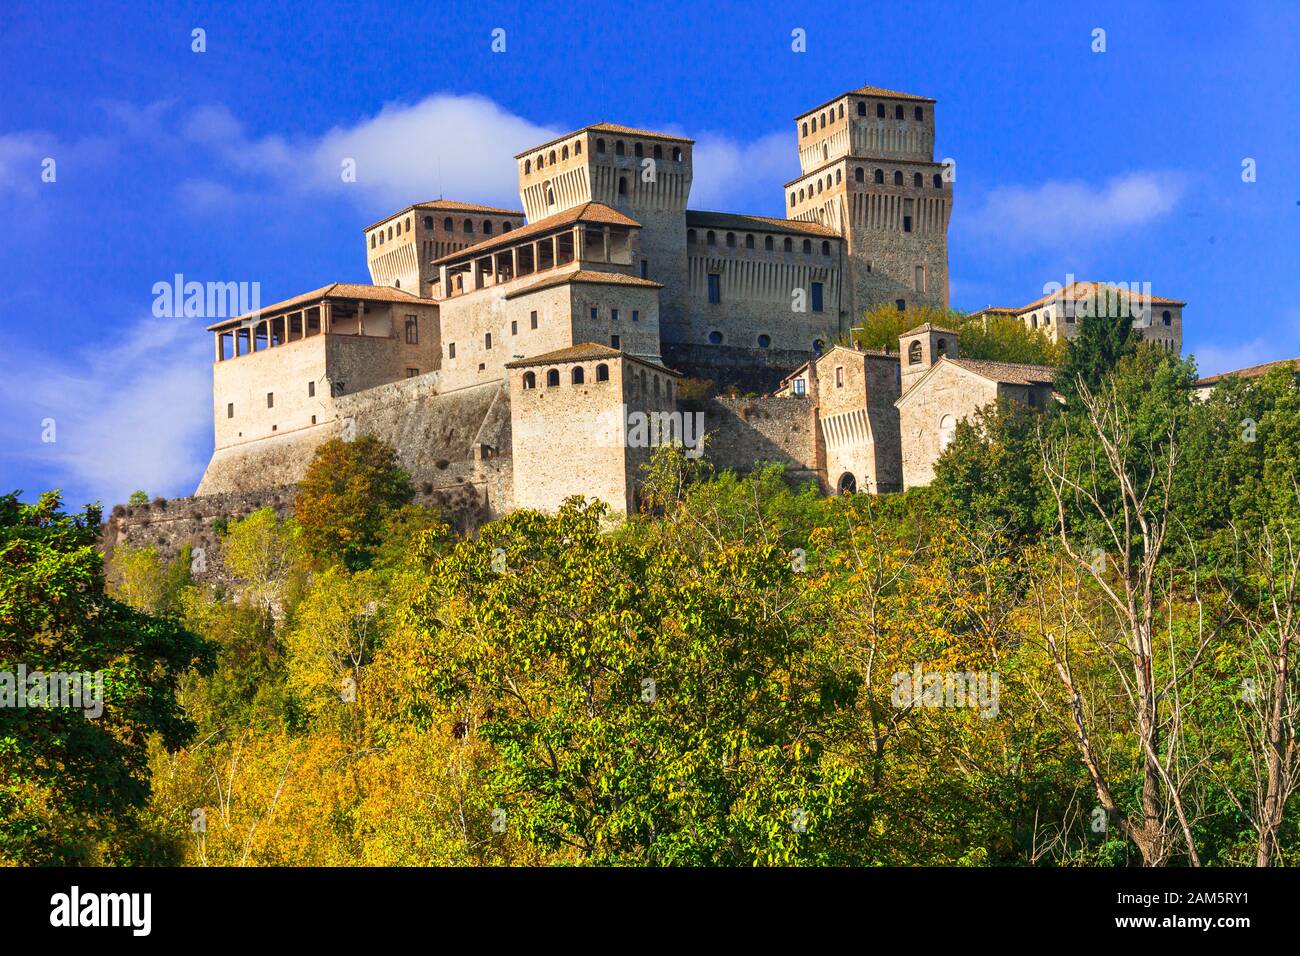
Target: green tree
[(1092, 354), (70, 782), (345, 498)]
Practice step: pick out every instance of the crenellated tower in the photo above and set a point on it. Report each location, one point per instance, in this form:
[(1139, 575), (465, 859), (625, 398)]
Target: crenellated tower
[(868, 171)]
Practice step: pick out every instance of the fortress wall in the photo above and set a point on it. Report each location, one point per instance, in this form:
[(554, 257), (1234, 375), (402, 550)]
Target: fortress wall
[(750, 369), (744, 431)]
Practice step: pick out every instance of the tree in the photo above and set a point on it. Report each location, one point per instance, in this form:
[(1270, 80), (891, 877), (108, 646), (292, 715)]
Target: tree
[(70, 781), (261, 553), (345, 497), (1098, 348), (882, 325), (1006, 339)]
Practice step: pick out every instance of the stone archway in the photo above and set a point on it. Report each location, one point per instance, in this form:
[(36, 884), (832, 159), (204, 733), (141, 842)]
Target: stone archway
[(847, 484)]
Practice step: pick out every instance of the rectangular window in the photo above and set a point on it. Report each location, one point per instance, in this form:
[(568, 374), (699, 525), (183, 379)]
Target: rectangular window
[(412, 372), (514, 328), (230, 410), (800, 387), (918, 279), (311, 389), (451, 350), (645, 268), (715, 287), (532, 319), (594, 313), (636, 315), (270, 399), (487, 340), (613, 341), (816, 296), (412, 330), (839, 376), (613, 315), (907, 224)]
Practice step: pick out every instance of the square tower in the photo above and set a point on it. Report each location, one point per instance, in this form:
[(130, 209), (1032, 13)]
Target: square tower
[(920, 348), (868, 171), (643, 174)]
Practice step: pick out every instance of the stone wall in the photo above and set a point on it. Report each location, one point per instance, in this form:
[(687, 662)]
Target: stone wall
[(748, 369), (746, 431)]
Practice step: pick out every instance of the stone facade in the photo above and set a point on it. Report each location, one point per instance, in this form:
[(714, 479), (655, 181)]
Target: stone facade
[(1059, 313)]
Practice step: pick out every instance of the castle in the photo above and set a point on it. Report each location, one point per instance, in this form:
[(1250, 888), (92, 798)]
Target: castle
[(505, 353)]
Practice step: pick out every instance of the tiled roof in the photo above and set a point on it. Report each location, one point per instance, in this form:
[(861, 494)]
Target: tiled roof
[(1008, 373), (731, 220), (585, 275), (877, 91), (449, 205), (335, 290), (1253, 371), (1079, 290), (584, 352), (588, 212), (928, 327), (603, 127)]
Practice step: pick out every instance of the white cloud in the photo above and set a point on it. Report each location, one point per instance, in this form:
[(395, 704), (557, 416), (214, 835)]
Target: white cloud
[(727, 172), (1057, 213), (134, 414)]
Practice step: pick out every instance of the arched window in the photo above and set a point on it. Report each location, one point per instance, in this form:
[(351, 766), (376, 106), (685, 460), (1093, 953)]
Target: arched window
[(715, 338), (764, 341), (564, 152), (577, 148), (749, 240), (801, 195), (659, 151), (792, 199), (788, 244), (506, 227), (641, 384), (381, 238), (857, 175), (862, 109), (677, 154), (602, 372), (600, 145), (767, 243), (541, 161), (917, 181), (914, 354), (638, 152), (917, 114), (390, 232), (428, 222), (898, 112), (898, 177), (619, 149), (528, 166), (530, 380), (622, 185), (551, 158), (826, 152), (839, 176), (469, 228), (938, 181), (690, 236), (826, 248), (577, 376), (807, 247), (805, 129), (1166, 317), (487, 227), (408, 223), (447, 224), (847, 484), (947, 428), (655, 382), (880, 110), (841, 111), (941, 346), (710, 239), (731, 240), (372, 240), (550, 196), (553, 378), (878, 177), (819, 186)]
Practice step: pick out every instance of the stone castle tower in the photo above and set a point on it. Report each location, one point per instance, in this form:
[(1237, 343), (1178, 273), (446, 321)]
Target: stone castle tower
[(868, 172)]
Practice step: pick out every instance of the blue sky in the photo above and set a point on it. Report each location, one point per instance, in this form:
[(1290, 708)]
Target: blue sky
[(1124, 165)]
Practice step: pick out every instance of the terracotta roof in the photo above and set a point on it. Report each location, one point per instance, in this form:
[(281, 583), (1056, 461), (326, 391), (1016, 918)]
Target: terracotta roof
[(732, 220), (583, 352), (335, 290), (588, 212), (1079, 290), (603, 127), (1253, 371), (448, 205), (877, 91), (928, 327), (585, 275), (1007, 373), (995, 310)]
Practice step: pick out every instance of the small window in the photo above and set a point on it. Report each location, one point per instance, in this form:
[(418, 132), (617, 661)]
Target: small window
[(941, 347), (839, 376), (469, 228), (613, 315), (532, 320), (862, 109), (619, 149), (918, 114), (577, 148), (918, 279), (900, 305), (878, 177), (576, 377), (270, 399), (907, 224), (645, 268), (764, 341), (898, 177), (816, 294), (487, 340), (858, 175), (749, 240), (451, 350), (880, 110), (487, 227), (530, 379), (731, 240), (602, 372), (412, 372), (826, 248), (230, 410), (600, 146), (914, 354), (677, 154), (428, 222), (412, 330), (690, 237), (552, 378), (659, 152), (818, 346), (638, 151), (447, 225), (715, 338), (311, 389), (710, 239), (788, 244), (505, 227), (636, 315), (715, 288), (917, 181), (622, 185), (938, 181), (1166, 317), (898, 112), (767, 243), (805, 129), (807, 247), (514, 327), (595, 314), (614, 342), (800, 387)]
